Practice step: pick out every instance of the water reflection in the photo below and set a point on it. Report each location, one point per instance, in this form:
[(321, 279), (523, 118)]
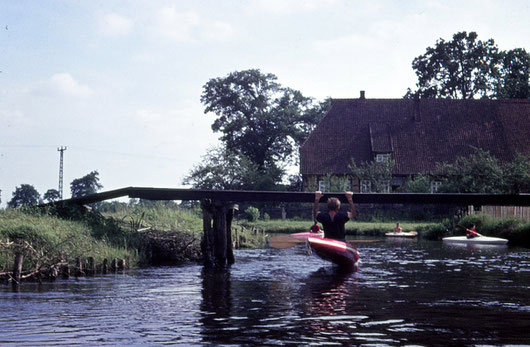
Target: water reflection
[(402, 293), (329, 304)]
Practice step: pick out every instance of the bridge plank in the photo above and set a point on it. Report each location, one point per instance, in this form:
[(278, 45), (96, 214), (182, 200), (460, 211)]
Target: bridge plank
[(360, 198)]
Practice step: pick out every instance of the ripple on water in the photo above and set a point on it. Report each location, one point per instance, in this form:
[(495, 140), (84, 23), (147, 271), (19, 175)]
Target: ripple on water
[(409, 293)]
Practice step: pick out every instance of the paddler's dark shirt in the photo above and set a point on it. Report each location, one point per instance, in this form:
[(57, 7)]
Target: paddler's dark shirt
[(333, 229)]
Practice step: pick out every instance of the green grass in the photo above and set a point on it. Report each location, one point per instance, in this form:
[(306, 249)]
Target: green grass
[(159, 217), (352, 227), (45, 240)]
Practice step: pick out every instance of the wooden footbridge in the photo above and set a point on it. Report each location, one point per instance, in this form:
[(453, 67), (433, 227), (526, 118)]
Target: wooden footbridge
[(218, 207)]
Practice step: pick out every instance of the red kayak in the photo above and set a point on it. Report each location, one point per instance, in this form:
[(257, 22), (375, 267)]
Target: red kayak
[(338, 252)]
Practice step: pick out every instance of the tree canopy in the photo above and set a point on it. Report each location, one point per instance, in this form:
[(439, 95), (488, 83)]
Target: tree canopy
[(86, 185), (379, 174), (258, 117), (51, 195), (465, 68), (515, 74), (24, 195), (262, 124), (222, 169)]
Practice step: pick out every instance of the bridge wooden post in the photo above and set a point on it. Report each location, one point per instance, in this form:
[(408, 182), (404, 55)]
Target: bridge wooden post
[(216, 243)]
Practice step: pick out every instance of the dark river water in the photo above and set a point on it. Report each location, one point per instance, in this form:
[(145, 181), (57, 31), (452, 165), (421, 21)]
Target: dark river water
[(404, 292)]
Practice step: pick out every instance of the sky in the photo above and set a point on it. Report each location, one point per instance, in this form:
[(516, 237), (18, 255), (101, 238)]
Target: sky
[(119, 82)]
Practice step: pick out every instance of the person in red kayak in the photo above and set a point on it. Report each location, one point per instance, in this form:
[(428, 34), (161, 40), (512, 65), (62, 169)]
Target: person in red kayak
[(471, 232), (333, 221)]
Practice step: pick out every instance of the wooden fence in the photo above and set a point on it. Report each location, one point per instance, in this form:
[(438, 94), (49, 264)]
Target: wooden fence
[(522, 212)]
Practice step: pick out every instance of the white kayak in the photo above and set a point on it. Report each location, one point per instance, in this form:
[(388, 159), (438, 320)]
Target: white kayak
[(486, 240), (409, 234)]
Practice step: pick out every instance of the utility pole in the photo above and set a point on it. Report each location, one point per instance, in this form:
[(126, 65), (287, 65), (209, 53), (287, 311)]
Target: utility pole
[(61, 149)]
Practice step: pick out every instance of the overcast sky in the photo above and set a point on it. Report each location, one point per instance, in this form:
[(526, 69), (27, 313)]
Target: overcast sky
[(119, 82)]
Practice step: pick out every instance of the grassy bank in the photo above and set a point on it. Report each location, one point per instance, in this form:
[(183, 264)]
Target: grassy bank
[(516, 231), (160, 216), (47, 242), (353, 228)]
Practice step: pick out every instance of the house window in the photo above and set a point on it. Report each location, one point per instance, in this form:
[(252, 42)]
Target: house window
[(323, 186), (366, 186), (382, 157), (435, 185)]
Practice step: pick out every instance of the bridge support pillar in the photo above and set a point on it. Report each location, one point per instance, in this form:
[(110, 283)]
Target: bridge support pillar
[(216, 243)]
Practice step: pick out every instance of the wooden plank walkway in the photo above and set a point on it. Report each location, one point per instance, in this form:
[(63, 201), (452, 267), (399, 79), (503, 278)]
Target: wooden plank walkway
[(360, 198)]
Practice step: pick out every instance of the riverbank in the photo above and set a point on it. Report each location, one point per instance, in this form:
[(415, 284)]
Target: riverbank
[(354, 228), (37, 244), (516, 231)]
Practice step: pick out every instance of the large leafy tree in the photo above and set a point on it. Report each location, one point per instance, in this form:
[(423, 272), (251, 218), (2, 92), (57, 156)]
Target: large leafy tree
[(379, 174), (259, 118), (481, 172), (51, 195), (462, 68), (221, 168), (86, 185), (517, 175), (515, 75), (24, 195)]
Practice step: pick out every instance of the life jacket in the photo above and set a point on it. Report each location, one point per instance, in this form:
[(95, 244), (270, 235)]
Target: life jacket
[(315, 228)]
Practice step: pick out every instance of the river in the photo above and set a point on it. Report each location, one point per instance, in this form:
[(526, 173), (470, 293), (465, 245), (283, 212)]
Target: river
[(403, 292)]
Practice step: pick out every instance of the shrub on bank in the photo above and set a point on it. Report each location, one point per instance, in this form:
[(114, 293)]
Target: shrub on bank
[(517, 231)]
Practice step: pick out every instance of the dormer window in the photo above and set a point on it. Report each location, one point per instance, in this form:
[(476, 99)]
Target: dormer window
[(382, 157)]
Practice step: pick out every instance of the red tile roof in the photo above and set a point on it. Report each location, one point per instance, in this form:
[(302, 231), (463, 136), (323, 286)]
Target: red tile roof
[(418, 133)]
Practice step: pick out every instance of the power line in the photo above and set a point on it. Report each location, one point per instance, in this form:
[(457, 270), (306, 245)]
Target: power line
[(61, 149)]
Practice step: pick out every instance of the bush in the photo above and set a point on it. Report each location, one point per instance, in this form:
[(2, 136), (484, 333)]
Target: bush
[(252, 214)]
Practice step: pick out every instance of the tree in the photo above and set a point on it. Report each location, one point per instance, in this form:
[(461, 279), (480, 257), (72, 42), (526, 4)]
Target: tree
[(51, 195), (86, 185), (24, 195), (517, 175), (478, 173), (379, 174), (419, 184), (515, 75), (260, 119), (460, 69), (221, 168)]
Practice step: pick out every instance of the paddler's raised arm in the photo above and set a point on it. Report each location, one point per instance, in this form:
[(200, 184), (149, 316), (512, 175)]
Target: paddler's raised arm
[(318, 195), (353, 211)]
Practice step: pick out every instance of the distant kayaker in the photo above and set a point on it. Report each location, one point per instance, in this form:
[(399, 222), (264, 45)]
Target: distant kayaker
[(397, 229), (333, 221), (471, 232)]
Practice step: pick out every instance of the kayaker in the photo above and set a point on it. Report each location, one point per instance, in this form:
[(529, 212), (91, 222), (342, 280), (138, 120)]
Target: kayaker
[(471, 232), (397, 229), (333, 221)]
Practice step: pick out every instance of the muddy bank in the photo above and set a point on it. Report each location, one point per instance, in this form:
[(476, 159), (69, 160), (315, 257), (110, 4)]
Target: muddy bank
[(170, 247)]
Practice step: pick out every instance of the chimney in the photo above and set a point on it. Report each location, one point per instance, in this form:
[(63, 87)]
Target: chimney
[(416, 110), (362, 95)]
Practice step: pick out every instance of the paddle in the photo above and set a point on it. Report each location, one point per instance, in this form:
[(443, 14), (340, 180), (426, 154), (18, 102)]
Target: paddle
[(286, 241), (459, 226)]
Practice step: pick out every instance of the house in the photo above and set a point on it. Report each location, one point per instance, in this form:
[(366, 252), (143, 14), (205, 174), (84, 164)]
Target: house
[(415, 134)]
